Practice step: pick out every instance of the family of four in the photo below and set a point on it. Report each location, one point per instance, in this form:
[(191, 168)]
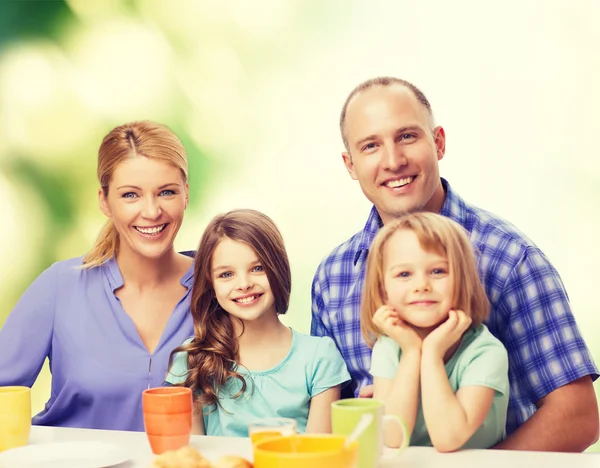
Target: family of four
[(447, 313)]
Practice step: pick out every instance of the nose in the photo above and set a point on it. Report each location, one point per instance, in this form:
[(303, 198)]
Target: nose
[(243, 283), (151, 208), (422, 283), (393, 157)]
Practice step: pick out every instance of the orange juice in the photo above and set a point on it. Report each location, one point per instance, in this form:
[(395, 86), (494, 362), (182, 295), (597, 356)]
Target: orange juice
[(257, 436)]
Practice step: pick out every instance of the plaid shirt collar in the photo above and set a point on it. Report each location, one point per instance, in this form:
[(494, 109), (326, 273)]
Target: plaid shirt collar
[(454, 208)]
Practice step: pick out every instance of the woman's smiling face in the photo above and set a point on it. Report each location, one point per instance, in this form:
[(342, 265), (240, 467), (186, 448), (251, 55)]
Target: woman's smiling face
[(146, 201)]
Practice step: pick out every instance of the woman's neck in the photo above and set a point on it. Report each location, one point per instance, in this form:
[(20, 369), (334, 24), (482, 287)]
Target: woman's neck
[(147, 273)]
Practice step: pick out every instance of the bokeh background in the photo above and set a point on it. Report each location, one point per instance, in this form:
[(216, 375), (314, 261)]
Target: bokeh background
[(254, 90)]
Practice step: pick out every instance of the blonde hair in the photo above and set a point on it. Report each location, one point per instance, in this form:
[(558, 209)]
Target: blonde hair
[(437, 234), (136, 139)]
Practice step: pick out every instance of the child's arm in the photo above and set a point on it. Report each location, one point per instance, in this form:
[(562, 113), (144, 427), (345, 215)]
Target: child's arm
[(401, 392), (319, 415), (327, 373), (198, 423), (400, 395), (451, 419)]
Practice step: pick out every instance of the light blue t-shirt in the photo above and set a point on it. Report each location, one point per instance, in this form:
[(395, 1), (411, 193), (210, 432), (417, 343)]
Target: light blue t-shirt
[(481, 360), (312, 366)]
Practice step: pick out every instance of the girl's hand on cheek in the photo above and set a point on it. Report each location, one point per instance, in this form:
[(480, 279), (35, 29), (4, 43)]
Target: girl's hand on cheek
[(447, 334), (387, 320)]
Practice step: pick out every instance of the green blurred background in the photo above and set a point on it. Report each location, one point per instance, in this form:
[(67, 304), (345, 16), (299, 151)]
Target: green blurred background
[(254, 91)]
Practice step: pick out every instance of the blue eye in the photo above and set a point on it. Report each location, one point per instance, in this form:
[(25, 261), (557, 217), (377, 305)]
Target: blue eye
[(258, 268), (438, 271), (167, 193), (369, 146), (226, 274), (403, 274), (129, 195)]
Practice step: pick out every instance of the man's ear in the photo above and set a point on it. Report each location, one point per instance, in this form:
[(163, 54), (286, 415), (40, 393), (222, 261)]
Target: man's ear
[(439, 135), (103, 204), (349, 165)]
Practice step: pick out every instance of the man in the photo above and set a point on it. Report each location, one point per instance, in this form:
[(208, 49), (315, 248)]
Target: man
[(392, 150)]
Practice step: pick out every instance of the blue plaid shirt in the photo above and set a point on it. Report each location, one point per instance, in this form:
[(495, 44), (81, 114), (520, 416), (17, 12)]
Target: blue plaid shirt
[(530, 311)]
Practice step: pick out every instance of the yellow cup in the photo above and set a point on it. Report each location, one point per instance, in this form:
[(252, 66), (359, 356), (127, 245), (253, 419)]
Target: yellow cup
[(15, 417), (302, 451)]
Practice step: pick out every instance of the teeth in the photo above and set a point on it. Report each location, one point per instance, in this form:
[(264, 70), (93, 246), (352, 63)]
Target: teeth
[(399, 182), (246, 300), (152, 230)]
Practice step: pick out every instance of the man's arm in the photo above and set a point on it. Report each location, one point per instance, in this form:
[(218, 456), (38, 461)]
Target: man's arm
[(550, 363), (566, 421)]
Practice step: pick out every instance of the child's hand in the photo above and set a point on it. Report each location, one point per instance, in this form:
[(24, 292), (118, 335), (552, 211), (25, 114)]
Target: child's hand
[(447, 334), (387, 320)]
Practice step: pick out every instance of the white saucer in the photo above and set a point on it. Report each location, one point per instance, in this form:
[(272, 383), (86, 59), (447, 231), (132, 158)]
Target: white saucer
[(64, 455)]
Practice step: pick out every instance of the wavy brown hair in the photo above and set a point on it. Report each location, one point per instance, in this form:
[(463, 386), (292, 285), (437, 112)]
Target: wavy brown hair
[(213, 353), (439, 234), (131, 140)]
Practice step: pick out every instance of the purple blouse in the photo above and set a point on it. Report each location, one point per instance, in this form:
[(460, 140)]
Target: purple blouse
[(98, 361)]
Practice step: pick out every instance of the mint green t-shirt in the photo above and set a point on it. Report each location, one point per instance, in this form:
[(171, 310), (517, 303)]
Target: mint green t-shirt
[(481, 360), (312, 366)]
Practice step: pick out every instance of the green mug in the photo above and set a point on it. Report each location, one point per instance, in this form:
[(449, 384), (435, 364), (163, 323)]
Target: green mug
[(346, 414)]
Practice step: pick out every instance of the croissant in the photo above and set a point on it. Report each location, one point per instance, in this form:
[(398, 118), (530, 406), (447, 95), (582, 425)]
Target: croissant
[(189, 457), (232, 461), (185, 457)]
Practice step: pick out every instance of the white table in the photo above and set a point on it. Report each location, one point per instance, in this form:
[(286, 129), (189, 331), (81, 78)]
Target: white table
[(414, 457)]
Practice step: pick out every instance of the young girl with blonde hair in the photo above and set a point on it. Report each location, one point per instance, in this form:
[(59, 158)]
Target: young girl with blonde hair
[(434, 362), (243, 363)]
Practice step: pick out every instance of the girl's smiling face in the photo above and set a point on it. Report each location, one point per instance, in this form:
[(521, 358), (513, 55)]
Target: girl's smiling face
[(417, 282), (240, 281)]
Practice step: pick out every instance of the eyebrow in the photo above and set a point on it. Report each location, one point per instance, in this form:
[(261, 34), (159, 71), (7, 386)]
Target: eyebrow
[(398, 131), (409, 128), (228, 267), (139, 188), (407, 265)]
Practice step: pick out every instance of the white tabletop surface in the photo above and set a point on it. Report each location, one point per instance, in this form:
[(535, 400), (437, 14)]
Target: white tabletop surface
[(137, 447)]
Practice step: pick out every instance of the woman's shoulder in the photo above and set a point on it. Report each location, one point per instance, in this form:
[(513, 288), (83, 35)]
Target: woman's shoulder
[(71, 267), (70, 264)]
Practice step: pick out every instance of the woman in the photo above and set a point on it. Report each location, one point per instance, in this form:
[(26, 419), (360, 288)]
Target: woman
[(108, 321)]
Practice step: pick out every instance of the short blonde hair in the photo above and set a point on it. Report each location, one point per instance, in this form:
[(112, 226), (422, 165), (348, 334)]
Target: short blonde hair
[(437, 234)]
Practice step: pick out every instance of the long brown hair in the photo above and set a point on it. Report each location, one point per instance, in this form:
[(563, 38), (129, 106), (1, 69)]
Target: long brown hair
[(147, 139), (439, 234), (213, 353)]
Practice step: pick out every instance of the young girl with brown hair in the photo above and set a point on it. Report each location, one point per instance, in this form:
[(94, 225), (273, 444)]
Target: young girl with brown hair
[(434, 362), (243, 363)]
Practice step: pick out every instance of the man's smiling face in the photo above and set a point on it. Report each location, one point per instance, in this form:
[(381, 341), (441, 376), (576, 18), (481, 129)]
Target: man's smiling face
[(393, 151)]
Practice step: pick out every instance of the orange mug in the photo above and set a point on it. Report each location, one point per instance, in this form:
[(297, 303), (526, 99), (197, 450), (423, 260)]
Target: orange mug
[(167, 417)]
